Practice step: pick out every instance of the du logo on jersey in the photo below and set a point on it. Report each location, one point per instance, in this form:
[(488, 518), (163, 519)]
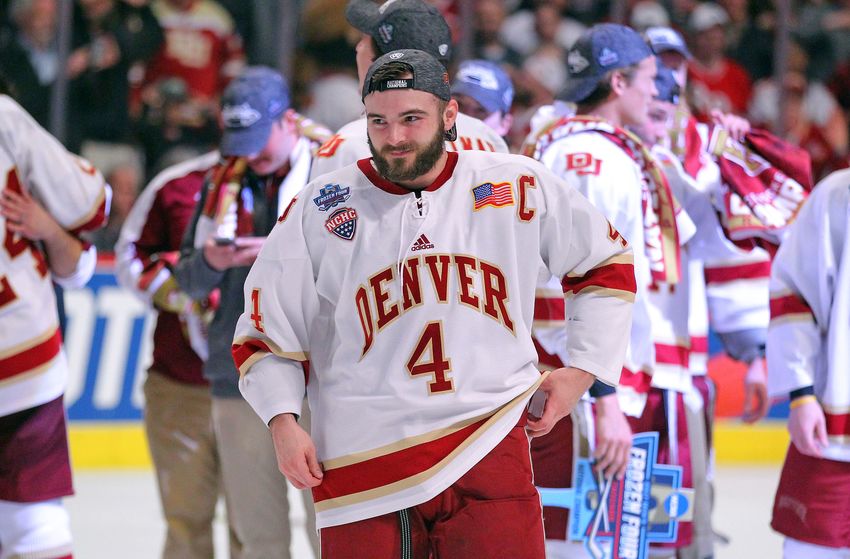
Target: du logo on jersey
[(331, 195), (342, 223), (618, 519)]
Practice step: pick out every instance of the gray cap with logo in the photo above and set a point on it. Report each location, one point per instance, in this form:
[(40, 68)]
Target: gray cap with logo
[(664, 39), (427, 74), (604, 47), (485, 82), (403, 24), (250, 105)]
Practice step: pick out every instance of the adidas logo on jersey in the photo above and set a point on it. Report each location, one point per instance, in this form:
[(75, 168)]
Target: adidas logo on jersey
[(422, 243)]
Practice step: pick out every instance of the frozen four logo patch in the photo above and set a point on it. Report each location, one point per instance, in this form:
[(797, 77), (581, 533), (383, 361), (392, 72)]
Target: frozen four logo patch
[(342, 223), (331, 195)]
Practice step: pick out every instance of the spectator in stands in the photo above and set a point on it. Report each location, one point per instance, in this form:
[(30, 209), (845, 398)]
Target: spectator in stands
[(109, 37), (811, 117), (716, 81), (489, 17), (202, 48), (547, 62), (125, 180), (648, 13), (521, 30), (29, 57)]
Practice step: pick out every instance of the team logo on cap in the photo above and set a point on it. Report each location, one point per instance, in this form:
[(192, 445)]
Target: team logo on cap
[(331, 195), (608, 57), (396, 55), (385, 31), (480, 76), (443, 49), (576, 62), (239, 116), (342, 223)]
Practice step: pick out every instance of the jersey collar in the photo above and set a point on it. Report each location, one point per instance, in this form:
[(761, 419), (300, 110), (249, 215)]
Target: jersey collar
[(368, 169)]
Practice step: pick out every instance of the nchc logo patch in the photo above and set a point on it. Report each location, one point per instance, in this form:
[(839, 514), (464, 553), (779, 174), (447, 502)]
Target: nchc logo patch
[(342, 223)]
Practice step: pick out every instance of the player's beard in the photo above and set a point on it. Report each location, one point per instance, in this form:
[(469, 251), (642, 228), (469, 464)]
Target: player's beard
[(424, 158)]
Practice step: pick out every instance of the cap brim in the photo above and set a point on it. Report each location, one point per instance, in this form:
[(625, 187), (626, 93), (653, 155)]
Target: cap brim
[(245, 141), (667, 47), (577, 89), (363, 15), (463, 88)]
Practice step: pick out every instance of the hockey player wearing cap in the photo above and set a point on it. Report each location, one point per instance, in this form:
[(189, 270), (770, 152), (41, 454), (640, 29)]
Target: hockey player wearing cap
[(612, 81), (483, 90), (399, 24), (266, 162), (400, 291)]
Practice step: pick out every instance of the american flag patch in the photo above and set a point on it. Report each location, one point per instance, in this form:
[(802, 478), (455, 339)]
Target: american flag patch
[(490, 194)]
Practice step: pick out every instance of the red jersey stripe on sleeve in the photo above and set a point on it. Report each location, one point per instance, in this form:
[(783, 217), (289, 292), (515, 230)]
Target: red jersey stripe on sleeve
[(246, 350), (725, 274), (789, 306), (616, 276)]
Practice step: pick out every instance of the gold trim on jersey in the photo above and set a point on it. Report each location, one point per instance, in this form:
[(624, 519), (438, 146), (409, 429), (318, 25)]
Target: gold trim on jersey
[(100, 201), (791, 317), (621, 258), (626, 296), (421, 477)]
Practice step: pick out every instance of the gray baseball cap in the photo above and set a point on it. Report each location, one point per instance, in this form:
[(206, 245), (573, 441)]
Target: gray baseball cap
[(250, 104), (403, 24), (428, 75), (604, 47), (663, 39), (485, 82)]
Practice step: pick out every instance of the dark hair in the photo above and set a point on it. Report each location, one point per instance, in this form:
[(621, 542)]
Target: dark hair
[(604, 89), (391, 71)]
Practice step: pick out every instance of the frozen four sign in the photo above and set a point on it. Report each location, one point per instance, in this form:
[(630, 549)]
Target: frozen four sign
[(618, 519)]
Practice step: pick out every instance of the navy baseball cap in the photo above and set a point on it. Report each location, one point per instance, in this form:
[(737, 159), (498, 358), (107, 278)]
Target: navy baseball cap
[(250, 104), (485, 82), (403, 24), (663, 39), (604, 47), (665, 83)]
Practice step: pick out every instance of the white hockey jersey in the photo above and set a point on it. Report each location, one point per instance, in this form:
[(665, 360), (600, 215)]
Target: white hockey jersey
[(33, 369), (350, 145), (808, 341), (415, 315)]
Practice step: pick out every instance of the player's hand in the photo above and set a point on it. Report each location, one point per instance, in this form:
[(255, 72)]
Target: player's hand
[(242, 251), (737, 126), (756, 402), (807, 426), (563, 388), (296, 454), (613, 438), (25, 217)]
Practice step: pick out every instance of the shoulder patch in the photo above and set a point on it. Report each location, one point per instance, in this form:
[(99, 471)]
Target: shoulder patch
[(328, 149), (342, 223), (331, 195)]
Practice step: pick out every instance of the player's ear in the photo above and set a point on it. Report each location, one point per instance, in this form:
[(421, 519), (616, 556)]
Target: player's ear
[(450, 114)]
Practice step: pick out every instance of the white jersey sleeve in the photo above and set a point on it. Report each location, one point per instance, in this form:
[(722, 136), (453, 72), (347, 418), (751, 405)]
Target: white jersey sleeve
[(597, 277), (601, 171), (274, 345), (808, 287)]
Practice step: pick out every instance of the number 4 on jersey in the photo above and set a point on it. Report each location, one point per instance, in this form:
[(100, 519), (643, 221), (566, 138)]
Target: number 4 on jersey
[(436, 364), (256, 317)]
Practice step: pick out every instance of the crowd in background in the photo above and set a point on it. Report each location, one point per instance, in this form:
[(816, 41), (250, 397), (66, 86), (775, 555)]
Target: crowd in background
[(145, 76)]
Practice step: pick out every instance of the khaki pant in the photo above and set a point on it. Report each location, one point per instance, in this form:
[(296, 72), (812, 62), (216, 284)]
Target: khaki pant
[(183, 447), (254, 488)]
